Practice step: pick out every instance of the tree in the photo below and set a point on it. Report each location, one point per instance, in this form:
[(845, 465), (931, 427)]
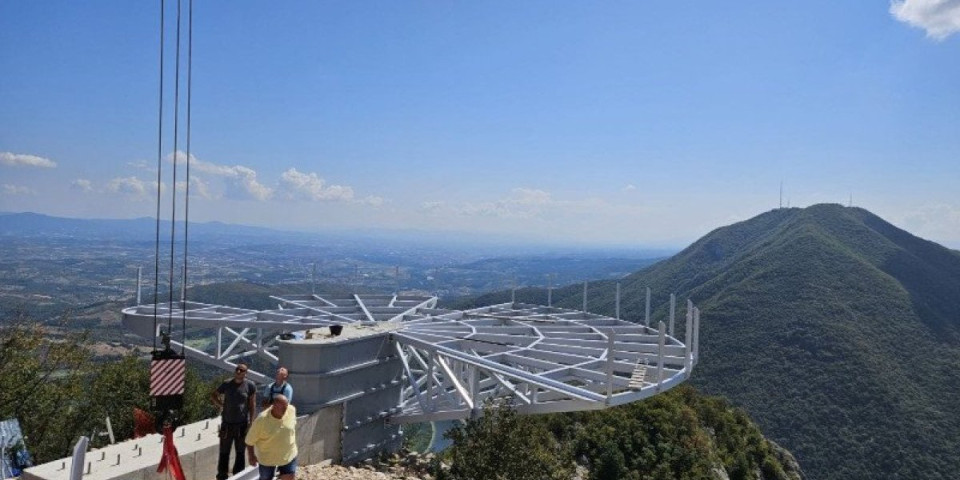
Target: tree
[(40, 378), (58, 391), (502, 445)]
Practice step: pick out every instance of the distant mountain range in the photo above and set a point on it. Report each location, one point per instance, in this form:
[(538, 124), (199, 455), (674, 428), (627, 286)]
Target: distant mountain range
[(30, 224), (838, 332)]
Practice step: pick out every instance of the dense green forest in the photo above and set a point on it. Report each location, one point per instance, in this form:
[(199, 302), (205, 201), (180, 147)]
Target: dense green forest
[(836, 331), (676, 435)]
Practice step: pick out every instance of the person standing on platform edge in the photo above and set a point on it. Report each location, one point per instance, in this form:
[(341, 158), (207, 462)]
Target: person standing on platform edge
[(272, 440), (238, 408), (278, 387)]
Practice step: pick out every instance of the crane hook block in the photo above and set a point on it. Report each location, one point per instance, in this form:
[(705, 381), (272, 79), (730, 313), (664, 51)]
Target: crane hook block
[(167, 379)]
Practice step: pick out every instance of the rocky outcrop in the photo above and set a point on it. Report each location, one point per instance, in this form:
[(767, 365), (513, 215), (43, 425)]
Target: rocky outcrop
[(790, 465)]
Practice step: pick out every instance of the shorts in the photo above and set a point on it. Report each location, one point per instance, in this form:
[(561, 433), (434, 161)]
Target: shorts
[(267, 473)]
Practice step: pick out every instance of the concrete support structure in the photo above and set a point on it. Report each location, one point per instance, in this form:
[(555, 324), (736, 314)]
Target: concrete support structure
[(358, 371)]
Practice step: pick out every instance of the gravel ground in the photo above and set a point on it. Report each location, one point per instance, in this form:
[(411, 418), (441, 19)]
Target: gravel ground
[(336, 472), (403, 466)]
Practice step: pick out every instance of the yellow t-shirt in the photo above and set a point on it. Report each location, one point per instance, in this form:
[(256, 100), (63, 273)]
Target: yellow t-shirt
[(275, 439)]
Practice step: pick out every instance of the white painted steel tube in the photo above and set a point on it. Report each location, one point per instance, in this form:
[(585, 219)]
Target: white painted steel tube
[(610, 344), (662, 329), (696, 335), (646, 314), (618, 301), (584, 297), (688, 345), (673, 310)]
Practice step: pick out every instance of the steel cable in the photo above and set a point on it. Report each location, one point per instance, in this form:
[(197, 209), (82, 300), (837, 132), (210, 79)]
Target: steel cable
[(156, 269), (186, 213), (173, 192)]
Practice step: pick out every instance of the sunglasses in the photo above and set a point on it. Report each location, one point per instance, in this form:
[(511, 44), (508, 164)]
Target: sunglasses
[(241, 370)]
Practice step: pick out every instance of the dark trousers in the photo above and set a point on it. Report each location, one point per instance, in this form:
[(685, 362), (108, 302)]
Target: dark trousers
[(231, 434)]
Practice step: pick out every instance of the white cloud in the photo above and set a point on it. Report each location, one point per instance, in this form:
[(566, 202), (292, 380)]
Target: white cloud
[(521, 203), (940, 18), (530, 196), (134, 187), (629, 187), (312, 187), (82, 184), (23, 160), (242, 180), (528, 203), (142, 165), (372, 201), (16, 190), (433, 206), (246, 179), (198, 188)]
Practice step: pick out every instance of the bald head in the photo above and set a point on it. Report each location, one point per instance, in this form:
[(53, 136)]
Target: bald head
[(279, 406), (281, 375)]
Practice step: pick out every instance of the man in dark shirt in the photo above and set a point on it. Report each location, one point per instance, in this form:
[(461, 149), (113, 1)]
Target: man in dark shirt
[(237, 400)]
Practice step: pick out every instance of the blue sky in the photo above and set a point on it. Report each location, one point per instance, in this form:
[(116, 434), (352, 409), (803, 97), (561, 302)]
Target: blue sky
[(614, 123)]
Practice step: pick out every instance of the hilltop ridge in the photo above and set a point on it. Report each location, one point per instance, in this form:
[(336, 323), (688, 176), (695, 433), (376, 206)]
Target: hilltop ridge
[(836, 331)]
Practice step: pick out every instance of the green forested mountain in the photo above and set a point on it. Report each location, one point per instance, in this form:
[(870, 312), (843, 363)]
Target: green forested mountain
[(677, 435), (837, 332)]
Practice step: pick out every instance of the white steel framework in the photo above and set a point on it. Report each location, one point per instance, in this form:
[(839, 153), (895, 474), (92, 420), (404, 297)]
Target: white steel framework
[(543, 359)]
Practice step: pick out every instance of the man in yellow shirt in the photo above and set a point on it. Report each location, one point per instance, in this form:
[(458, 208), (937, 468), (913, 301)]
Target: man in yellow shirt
[(272, 440)]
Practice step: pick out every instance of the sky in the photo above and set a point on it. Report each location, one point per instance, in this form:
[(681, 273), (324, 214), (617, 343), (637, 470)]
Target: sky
[(567, 122)]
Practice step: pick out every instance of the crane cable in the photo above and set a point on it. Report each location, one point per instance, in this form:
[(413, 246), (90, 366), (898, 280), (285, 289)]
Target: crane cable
[(186, 212), (176, 154), (167, 368), (173, 192), (156, 269)]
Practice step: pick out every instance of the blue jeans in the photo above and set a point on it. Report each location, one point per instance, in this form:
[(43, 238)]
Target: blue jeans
[(267, 473)]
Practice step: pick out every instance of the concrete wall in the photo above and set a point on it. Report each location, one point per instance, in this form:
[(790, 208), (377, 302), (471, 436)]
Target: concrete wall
[(318, 440), (318, 436)]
